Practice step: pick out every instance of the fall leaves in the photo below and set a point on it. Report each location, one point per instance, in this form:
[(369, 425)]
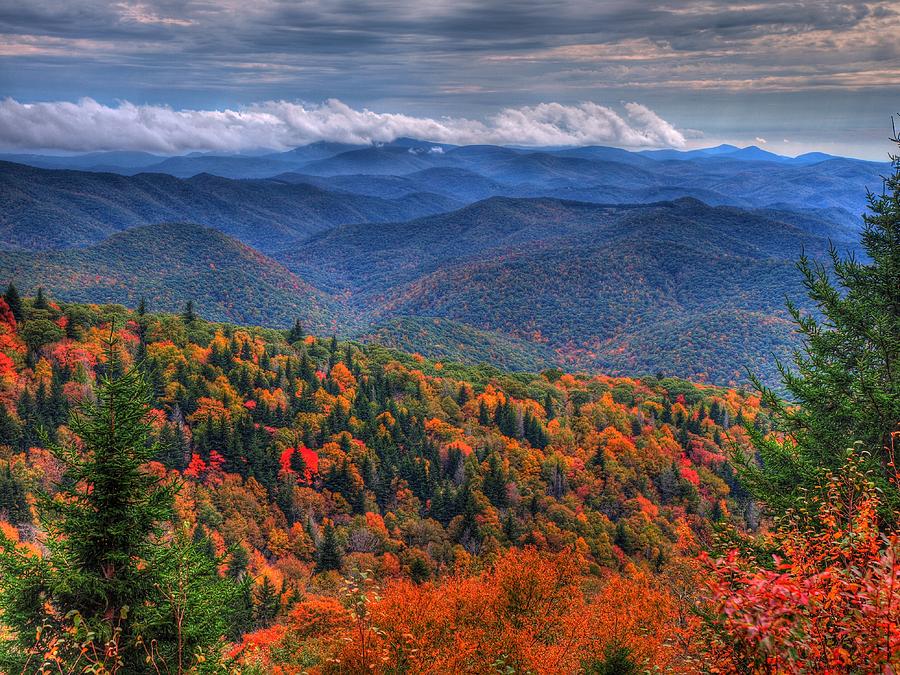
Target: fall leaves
[(526, 612), (829, 601)]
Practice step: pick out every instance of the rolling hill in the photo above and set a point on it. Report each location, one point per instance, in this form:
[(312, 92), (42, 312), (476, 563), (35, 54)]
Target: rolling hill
[(746, 177), (679, 287), (595, 258), (49, 209), (169, 265)]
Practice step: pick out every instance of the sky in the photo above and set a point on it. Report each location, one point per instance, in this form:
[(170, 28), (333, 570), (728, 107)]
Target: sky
[(173, 76)]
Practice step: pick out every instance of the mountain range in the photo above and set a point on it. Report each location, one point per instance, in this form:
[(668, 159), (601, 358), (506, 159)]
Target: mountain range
[(593, 258)]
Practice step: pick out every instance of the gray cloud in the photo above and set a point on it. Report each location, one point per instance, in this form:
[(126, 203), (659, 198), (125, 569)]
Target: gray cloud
[(88, 125), (147, 38), (467, 58)]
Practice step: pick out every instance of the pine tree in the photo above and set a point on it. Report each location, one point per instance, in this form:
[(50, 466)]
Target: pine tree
[(188, 315), (14, 300), (40, 300), (844, 387), (329, 555), (105, 561)]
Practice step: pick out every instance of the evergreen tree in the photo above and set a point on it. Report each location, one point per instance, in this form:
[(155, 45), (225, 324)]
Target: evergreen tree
[(267, 603), (238, 562), (484, 415), (189, 316), (10, 433), (14, 300), (106, 563), (13, 501), (494, 486), (296, 333), (332, 352), (844, 388), (329, 554), (549, 407), (40, 300)]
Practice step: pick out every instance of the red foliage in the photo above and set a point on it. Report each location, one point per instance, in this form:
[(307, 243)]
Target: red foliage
[(310, 460), (6, 315), (196, 467), (831, 604)]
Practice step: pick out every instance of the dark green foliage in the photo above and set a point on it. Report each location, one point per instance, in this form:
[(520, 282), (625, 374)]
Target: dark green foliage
[(13, 501), (329, 555), (267, 603), (192, 608), (40, 300), (38, 332), (616, 660), (844, 386), (188, 315), (10, 433), (14, 300), (296, 333), (495, 482)]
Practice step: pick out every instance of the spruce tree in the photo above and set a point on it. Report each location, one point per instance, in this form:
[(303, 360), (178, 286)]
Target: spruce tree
[(844, 386), (296, 333), (330, 556), (189, 316), (40, 300), (10, 433), (14, 300), (108, 562), (267, 603)]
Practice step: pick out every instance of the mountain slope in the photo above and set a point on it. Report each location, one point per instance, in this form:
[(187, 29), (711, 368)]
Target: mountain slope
[(459, 342), (169, 265), (636, 306), (371, 260), (47, 209), (678, 286)]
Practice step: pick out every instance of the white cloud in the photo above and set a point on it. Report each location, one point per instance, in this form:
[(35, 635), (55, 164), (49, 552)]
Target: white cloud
[(88, 125), (761, 141)]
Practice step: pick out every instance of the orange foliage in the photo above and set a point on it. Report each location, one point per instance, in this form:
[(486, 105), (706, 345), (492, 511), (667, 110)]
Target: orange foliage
[(528, 613)]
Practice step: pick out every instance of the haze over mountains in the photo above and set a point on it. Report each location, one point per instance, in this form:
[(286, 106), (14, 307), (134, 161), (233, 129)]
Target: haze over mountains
[(595, 258)]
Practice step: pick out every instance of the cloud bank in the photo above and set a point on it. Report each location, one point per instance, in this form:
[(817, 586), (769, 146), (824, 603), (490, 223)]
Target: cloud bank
[(87, 125)]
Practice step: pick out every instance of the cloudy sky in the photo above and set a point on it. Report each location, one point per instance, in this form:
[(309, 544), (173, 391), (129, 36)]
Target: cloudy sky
[(184, 75)]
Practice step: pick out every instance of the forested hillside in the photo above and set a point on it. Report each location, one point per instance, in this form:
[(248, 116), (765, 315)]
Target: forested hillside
[(302, 456), (41, 209), (171, 264), (585, 258), (678, 287)]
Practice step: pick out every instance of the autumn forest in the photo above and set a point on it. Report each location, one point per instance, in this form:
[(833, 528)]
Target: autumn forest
[(184, 495)]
